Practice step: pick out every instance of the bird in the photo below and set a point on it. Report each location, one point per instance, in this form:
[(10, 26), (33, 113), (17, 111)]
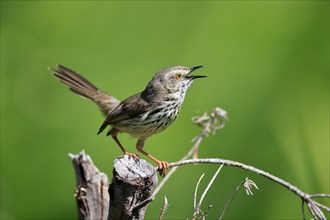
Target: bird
[(141, 115)]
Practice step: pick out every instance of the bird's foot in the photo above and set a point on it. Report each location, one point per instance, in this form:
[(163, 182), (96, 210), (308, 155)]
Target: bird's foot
[(136, 157), (162, 166)]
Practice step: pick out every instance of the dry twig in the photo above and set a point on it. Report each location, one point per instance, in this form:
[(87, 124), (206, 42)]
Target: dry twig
[(196, 189), (247, 183), (198, 206), (210, 123), (163, 209), (313, 206)]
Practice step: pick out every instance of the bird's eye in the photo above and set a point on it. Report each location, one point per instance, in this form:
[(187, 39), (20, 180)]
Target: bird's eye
[(178, 76)]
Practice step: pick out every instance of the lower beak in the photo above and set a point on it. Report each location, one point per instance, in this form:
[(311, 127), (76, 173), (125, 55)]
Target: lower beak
[(192, 70)]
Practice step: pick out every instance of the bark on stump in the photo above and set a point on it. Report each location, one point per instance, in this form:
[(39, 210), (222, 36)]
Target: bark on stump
[(128, 195)]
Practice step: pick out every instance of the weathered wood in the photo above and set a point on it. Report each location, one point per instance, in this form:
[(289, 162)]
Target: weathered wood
[(92, 188), (129, 193), (132, 185)]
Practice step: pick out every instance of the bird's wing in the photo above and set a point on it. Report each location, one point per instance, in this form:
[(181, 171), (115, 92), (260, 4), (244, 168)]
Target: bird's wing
[(127, 109)]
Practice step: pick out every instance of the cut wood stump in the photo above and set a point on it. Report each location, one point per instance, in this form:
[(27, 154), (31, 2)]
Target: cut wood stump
[(128, 195)]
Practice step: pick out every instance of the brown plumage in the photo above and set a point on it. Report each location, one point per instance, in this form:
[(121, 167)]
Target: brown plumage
[(142, 114)]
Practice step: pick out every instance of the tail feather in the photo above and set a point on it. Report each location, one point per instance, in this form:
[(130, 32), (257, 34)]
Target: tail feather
[(76, 82), (81, 86), (74, 86), (75, 76)]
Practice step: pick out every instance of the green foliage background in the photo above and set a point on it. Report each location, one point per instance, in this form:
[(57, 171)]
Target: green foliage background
[(267, 64)]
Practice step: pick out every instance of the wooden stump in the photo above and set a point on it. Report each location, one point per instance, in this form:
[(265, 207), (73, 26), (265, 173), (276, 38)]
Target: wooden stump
[(128, 195)]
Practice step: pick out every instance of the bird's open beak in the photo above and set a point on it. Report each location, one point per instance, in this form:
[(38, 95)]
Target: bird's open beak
[(192, 70)]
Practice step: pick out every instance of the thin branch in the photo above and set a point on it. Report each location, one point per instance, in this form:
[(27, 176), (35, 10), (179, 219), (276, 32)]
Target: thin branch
[(231, 199), (206, 212), (164, 209), (247, 183), (196, 189), (169, 174), (197, 208), (210, 123), (321, 206), (320, 195), (143, 203), (312, 205), (315, 211), (242, 166), (303, 209), (215, 121)]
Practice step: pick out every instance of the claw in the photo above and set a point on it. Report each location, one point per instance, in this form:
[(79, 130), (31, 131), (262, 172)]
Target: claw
[(136, 157), (162, 166)]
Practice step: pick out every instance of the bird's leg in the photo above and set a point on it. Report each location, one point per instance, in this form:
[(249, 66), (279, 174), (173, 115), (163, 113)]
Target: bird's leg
[(162, 165), (114, 132)]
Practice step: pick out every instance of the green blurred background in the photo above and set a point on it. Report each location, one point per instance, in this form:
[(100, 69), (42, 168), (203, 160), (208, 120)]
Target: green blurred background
[(267, 64)]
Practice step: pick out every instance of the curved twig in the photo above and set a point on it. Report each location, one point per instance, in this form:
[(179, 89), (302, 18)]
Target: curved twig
[(215, 121), (198, 206), (313, 206), (210, 123)]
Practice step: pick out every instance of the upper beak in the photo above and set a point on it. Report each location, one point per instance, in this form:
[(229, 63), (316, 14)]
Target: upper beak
[(192, 70)]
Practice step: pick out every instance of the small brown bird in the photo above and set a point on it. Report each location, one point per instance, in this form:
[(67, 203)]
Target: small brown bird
[(141, 115)]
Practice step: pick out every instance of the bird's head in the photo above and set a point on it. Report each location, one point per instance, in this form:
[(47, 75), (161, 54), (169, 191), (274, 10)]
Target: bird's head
[(173, 81)]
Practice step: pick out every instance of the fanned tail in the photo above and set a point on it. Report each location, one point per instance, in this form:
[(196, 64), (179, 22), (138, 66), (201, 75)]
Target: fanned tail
[(84, 88)]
